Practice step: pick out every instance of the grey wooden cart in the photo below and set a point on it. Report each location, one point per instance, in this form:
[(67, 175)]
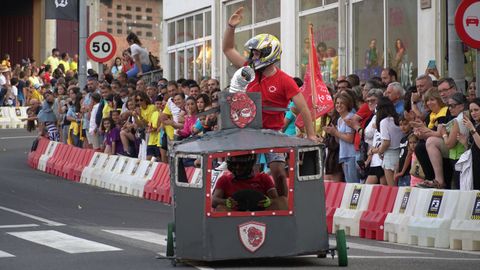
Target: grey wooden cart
[(199, 233)]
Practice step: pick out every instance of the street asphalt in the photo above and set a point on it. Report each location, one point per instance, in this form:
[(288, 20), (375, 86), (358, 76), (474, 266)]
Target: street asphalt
[(50, 223)]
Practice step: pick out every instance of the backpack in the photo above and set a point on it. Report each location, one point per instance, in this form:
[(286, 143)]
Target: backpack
[(154, 61)]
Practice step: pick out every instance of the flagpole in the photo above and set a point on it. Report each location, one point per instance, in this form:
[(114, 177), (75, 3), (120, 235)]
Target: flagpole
[(312, 78)]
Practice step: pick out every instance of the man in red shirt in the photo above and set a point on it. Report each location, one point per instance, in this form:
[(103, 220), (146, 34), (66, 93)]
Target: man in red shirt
[(277, 88), (242, 179)]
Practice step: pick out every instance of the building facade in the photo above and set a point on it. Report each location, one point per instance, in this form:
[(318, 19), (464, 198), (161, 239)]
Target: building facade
[(358, 36)]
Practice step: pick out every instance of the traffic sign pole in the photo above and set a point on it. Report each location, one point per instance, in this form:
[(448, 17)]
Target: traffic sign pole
[(477, 77)]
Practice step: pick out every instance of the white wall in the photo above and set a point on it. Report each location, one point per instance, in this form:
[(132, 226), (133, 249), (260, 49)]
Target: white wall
[(429, 36), (174, 8)]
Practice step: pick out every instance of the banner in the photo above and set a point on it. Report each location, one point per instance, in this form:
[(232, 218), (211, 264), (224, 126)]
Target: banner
[(61, 9), (314, 90)]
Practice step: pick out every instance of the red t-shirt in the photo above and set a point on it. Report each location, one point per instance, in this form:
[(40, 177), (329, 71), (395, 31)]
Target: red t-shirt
[(277, 91), (260, 182), (364, 113)]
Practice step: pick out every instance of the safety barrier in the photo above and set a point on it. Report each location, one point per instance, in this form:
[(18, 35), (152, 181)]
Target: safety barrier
[(96, 162), (355, 200), (110, 177), (11, 117), (430, 224), (465, 227), (34, 156), (333, 199), (159, 181), (42, 161), (381, 203), (396, 222)]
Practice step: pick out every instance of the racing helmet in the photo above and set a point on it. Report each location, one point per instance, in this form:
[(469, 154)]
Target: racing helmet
[(241, 166), (269, 47)]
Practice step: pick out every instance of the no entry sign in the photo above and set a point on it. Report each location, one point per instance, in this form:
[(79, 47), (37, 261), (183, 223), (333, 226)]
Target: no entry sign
[(467, 22), (100, 47)]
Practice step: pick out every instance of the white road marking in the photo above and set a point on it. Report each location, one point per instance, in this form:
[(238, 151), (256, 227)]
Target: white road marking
[(413, 258), (146, 236), (377, 248), (439, 249), (4, 254), (18, 226), (63, 242), (18, 137), (44, 220)]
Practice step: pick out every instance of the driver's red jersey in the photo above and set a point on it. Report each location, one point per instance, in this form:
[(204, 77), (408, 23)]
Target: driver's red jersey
[(260, 182), (277, 91)]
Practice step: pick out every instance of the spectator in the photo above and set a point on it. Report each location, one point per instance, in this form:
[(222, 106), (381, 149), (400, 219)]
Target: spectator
[(65, 61), (47, 119), (402, 176), (116, 67), (171, 121), (194, 90), (139, 55), (343, 85), (344, 106), (189, 118), (74, 63), (127, 132), (289, 127), (152, 91), (212, 84), (6, 61), (153, 129), (202, 101), (62, 101), (452, 130), (74, 116), (111, 135), (93, 128), (473, 125), (388, 76), (417, 174), (472, 91), (423, 83), (395, 92), (53, 60)]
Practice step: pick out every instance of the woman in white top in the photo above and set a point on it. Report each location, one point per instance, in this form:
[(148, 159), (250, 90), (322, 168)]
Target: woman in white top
[(139, 55)]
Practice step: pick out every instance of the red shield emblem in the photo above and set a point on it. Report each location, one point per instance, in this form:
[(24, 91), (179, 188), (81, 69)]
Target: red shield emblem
[(252, 235), (242, 109)]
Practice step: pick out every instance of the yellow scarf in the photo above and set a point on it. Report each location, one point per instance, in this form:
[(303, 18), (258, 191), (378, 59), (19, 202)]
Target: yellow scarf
[(434, 117)]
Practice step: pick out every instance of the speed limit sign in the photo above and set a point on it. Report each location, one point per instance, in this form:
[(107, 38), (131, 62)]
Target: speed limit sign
[(101, 47)]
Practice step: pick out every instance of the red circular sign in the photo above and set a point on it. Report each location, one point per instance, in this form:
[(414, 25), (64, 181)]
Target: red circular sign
[(100, 47), (467, 22)]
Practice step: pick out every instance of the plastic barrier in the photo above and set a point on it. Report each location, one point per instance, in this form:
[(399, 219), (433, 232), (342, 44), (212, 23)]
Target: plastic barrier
[(150, 189), (430, 224), (381, 203), (110, 178), (16, 116), (333, 199), (59, 153), (79, 153), (354, 202), (5, 118), (77, 168), (99, 170), (69, 154), (123, 180), (42, 161), (34, 156), (396, 223), (95, 163), (465, 228), (144, 173)]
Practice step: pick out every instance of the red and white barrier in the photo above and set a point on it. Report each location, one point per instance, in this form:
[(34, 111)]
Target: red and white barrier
[(42, 161), (333, 198), (396, 222), (465, 227)]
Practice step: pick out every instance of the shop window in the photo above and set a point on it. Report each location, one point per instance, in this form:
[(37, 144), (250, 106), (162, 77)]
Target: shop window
[(208, 58), (247, 12), (309, 4), (325, 31), (172, 65), (171, 33), (180, 31), (198, 26), (181, 64), (368, 57), (199, 58), (190, 63), (208, 23), (266, 10), (402, 40), (189, 28)]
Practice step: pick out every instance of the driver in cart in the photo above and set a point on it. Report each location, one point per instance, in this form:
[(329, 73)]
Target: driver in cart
[(244, 190)]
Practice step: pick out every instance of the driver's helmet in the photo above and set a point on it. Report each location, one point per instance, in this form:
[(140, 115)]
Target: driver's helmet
[(241, 166), (269, 47)]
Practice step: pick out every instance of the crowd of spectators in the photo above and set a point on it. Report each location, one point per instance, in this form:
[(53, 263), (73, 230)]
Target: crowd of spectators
[(378, 132)]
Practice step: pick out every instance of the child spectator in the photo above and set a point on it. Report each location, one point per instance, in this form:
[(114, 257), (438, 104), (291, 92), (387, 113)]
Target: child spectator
[(402, 175), (189, 118), (112, 136), (289, 120), (153, 128), (416, 172)]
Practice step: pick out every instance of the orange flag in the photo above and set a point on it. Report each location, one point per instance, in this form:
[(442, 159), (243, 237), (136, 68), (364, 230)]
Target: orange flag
[(314, 90)]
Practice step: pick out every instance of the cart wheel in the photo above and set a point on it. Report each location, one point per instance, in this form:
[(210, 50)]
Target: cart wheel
[(342, 248), (170, 249)]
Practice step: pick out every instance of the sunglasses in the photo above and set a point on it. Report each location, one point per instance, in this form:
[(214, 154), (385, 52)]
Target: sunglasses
[(139, 100), (453, 105)]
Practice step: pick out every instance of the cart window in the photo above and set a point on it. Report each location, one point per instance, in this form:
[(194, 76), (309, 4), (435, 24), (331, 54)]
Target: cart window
[(309, 164), (188, 171), (250, 193)]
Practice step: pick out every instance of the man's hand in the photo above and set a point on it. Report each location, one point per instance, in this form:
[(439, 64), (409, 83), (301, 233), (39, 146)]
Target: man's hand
[(230, 203), (236, 17), (265, 203)]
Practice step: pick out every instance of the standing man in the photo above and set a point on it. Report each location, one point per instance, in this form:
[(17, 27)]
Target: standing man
[(276, 87), (54, 59)]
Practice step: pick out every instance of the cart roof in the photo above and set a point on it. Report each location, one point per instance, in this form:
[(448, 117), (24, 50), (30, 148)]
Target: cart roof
[(238, 139)]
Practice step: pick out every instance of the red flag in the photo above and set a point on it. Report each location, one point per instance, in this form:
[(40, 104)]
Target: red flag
[(314, 90)]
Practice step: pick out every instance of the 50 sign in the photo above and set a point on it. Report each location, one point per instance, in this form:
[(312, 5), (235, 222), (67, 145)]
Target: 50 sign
[(101, 47)]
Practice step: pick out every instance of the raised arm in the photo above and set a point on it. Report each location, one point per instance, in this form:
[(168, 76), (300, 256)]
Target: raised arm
[(228, 45)]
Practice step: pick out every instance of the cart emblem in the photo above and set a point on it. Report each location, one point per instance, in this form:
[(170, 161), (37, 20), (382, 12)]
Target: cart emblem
[(242, 109), (252, 235)]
